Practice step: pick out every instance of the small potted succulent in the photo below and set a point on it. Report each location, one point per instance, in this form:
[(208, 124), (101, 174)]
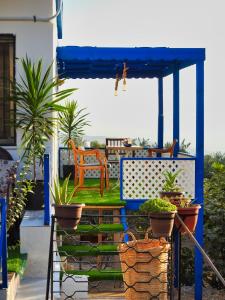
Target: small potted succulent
[(161, 213), (68, 215), (188, 212), (171, 190)]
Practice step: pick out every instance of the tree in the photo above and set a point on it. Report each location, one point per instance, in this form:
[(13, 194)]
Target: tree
[(36, 101)]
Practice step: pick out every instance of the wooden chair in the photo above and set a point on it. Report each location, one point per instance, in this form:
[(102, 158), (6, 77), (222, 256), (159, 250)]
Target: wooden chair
[(113, 142), (80, 166), (169, 150)]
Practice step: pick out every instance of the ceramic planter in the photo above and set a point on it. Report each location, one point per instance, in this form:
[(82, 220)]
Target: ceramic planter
[(174, 197), (162, 223), (68, 216), (189, 215)]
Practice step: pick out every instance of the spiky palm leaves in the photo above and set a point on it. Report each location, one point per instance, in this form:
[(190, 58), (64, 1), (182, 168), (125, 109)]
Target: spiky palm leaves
[(37, 99)]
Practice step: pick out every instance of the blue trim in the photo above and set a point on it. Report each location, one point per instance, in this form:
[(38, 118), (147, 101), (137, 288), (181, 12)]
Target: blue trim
[(160, 113), (176, 111), (143, 62), (3, 245), (124, 223), (59, 20), (199, 175), (47, 208)]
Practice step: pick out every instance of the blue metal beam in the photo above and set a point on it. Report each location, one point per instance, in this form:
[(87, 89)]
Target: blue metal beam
[(160, 113), (176, 110), (199, 174)]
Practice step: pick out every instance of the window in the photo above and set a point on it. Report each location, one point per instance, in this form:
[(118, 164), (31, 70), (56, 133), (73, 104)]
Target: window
[(7, 75)]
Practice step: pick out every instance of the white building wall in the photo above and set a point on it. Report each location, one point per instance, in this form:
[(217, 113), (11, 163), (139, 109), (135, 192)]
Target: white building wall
[(37, 40)]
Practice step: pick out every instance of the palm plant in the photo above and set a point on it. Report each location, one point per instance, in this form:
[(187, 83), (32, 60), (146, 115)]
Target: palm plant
[(37, 101), (72, 121)]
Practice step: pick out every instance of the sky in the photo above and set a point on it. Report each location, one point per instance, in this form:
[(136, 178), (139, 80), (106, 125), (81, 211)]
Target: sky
[(161, 23)]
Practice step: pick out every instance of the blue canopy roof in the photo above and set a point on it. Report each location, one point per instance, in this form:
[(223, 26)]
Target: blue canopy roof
[(143, 62)]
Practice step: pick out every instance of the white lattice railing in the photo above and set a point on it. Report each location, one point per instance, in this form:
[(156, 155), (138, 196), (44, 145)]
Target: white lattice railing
[(113, 170), (142, 178)]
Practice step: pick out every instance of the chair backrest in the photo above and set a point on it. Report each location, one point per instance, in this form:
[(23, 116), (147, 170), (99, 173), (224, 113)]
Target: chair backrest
[(113, 142), (169, 150), (75, 151)]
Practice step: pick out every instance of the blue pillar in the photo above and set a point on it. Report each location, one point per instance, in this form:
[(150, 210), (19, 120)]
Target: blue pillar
[(160, 113), (3, 245), (176, 110), (199, 174), (47, 208)]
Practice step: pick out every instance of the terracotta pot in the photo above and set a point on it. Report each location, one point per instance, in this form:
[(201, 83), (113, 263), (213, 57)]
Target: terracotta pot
[(189, 215), (68, 216), (162, 223), (174, 197)]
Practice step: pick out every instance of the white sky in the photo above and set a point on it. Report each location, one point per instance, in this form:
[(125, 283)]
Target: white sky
[(173, 23)]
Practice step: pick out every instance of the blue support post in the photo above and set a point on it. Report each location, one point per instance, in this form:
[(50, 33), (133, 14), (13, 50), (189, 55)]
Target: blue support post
[(176, 110), (160, 113), (3, 245), (199, 174), (46, 190)]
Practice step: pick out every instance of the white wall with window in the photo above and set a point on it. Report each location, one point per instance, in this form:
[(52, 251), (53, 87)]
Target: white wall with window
[(18, 39)]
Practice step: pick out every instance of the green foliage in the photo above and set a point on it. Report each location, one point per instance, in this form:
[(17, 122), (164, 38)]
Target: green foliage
[(215, 219), (60, 194), (18, 197), (170, 184), (96, 145), (36, 101), (72, 121), (209, 160), (157, 205)]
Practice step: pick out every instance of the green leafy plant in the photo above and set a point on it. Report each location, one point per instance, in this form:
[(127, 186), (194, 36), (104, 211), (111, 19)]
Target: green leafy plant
[(72, 121), (214, 220), (36, 101), (157, 205), (170, 184), (18, 197), (96, 144), (60, 193)]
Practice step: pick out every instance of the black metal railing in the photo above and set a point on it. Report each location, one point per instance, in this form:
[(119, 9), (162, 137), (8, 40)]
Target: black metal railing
[(102, 260)]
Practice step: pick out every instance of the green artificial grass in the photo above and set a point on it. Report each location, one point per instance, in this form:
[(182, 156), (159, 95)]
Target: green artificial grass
[(94, 229), (88, 250), (95, 275), (16, 261), (110, 197)]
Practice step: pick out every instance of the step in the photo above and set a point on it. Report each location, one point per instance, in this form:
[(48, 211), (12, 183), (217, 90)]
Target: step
[(86, 249), (93, 229), (95, 275)]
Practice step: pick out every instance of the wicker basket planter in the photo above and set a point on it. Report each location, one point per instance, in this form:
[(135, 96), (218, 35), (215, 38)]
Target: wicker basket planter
[(144, 265)]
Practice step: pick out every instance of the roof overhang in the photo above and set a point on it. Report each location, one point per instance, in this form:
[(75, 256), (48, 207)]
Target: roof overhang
[(143, 62)]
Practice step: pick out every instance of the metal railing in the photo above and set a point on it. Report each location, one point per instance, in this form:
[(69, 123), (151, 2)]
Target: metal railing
[(91, 261), (3, 245)]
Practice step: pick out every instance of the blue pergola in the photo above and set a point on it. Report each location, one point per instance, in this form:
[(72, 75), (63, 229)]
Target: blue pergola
[(95, 62)]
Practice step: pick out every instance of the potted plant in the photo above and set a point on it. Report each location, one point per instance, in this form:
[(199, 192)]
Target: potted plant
[(161, 213), (68, 215), (171, 190), (71, 125), (37, 100), (188, 212)]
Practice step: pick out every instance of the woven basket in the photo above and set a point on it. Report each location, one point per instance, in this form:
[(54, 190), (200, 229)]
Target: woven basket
[(144, 265)]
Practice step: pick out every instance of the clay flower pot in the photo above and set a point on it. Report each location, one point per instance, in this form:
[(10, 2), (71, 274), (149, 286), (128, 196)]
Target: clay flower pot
[(174, 197), (68, 216), (189, 215), (162, 223)]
